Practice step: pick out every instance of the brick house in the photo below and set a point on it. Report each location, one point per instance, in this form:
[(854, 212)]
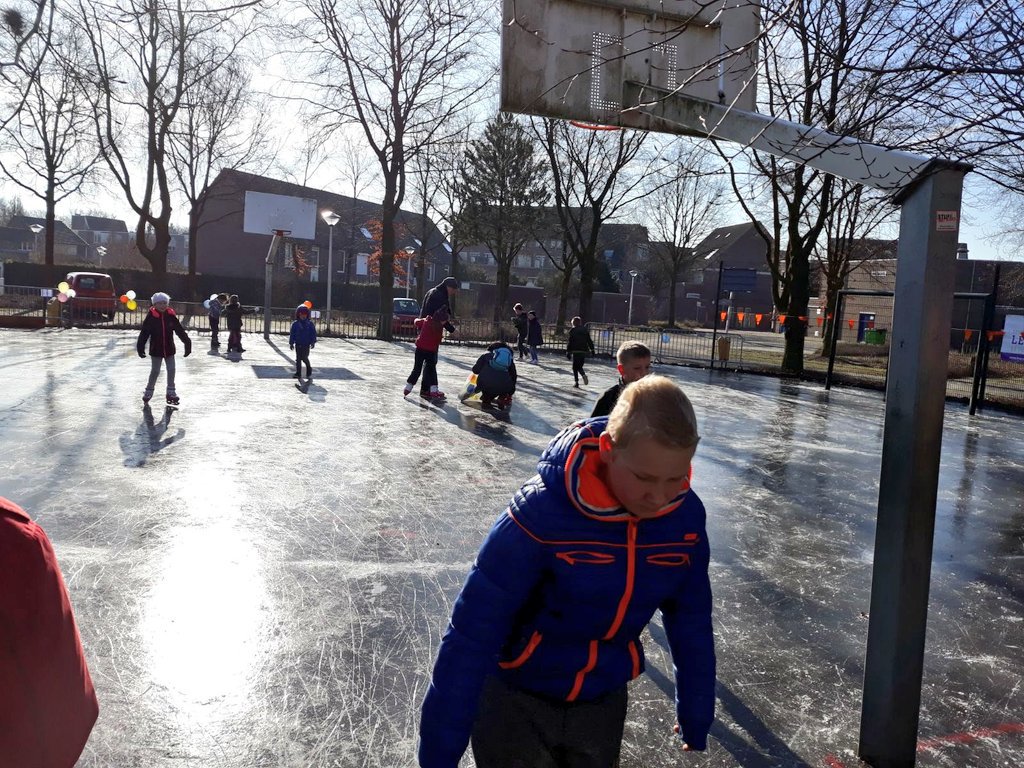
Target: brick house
[(224, 249)]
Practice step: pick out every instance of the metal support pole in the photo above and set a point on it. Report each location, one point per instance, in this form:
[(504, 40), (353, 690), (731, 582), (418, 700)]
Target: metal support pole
[(268, 278), (330, 273), (908, 486), (714, 326)]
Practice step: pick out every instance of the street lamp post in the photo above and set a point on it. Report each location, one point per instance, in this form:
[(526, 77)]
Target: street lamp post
[(409, 252), (331, 218), (36, 229), (632, 279)]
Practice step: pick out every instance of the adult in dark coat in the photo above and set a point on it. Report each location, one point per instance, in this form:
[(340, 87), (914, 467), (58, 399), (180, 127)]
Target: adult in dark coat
[(439, 297)]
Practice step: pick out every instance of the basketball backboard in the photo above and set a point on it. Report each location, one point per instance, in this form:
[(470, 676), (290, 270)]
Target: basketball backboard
[(571, 58), (265, 213)]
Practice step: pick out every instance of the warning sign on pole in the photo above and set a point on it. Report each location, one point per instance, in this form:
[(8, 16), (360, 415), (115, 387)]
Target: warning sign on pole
[(946, 221)]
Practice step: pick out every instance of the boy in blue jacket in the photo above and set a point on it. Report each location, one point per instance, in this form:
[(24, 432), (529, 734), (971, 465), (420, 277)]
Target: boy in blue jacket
[(302, 339), (545, 635)]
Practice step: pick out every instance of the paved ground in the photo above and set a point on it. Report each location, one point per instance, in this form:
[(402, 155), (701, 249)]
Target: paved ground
[(261, 577)]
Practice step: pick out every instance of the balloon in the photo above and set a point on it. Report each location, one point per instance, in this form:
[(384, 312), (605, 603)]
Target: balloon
[(307, 304), (71, 293), (62, 297), (132, 305), (212, 296), (62, 287), (131, 295), (124, 299), (206, 303)]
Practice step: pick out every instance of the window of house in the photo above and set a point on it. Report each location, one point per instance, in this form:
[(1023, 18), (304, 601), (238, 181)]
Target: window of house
[(538, 262), (609, 253), (362, 263), (430, 273), (711, 253)]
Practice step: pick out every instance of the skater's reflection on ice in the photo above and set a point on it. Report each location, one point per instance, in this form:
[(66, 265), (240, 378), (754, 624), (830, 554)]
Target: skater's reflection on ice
[(150, 437)]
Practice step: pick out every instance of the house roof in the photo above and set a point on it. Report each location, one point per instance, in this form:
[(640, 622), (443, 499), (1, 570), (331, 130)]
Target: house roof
[(15, 237), (61, 233), (357, 212), (83, 223), (724, 238)]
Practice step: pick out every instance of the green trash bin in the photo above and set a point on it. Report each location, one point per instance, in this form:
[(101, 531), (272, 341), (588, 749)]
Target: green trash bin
[(875, 336)]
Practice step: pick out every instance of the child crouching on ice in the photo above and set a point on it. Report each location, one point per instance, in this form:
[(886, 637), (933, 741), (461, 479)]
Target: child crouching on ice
[(545, 636), (496, 375)]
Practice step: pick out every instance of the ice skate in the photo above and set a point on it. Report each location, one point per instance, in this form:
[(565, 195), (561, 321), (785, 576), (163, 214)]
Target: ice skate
[(147, 396), (172, 399), (504, 402)]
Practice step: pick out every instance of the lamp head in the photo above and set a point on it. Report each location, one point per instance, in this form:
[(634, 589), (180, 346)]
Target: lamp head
[(330, 217)]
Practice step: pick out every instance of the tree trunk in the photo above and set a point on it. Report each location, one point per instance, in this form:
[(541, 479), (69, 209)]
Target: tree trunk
[(587, 270), (51, 219), (501, 288), (193, 248), (796, 329), (672, 295), (387, 257), (563, 298)]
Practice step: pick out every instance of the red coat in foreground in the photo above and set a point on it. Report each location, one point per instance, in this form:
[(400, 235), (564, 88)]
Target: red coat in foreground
[(47, 702)]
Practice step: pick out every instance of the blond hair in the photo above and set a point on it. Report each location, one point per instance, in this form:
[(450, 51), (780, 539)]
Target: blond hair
[(631, 350), (653, 407)]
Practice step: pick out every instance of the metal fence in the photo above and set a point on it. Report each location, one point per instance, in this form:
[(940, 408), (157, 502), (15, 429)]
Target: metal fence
[(862, 350)]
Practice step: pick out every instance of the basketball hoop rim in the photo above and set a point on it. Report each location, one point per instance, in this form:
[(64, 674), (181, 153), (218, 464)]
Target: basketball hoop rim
[(593, 126)]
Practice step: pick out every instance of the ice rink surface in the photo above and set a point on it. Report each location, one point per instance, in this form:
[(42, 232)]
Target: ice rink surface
[(261, 577)]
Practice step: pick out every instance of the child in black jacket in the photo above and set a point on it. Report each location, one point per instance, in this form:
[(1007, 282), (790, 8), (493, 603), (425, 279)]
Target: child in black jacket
[(159, 328), (233, 317), (496, 375), (579, 346)]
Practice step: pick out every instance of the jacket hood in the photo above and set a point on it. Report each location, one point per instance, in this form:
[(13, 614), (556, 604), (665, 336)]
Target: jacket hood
[(572, 464)]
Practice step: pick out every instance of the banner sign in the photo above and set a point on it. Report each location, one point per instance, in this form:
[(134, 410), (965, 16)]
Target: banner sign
[(1013, 339)]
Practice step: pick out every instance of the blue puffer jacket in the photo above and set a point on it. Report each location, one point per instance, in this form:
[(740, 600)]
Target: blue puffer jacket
[(303, 333), (562, 588)]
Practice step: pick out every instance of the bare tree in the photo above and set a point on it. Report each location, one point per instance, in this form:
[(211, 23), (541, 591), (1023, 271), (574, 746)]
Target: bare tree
[(683, 204), (214, 131), (814, 70), (142, 72), (51, 154), (400, 68), (22, 25), (850, 239), (594, 177)]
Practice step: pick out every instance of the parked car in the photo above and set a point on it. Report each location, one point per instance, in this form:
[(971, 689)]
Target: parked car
[(403, 314), (94, 295)]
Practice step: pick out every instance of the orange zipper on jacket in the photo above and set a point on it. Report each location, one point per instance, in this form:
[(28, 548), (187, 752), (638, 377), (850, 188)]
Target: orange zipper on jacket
[(620, 615)]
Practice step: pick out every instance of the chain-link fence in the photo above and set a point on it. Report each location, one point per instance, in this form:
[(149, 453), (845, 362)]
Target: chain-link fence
[(862, 338)]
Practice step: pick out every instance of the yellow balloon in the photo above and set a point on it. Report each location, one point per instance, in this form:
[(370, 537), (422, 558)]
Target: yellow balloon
[(62, 287), (131, 305)]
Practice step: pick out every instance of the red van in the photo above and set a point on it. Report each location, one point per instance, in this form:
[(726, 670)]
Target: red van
[(94, 294)]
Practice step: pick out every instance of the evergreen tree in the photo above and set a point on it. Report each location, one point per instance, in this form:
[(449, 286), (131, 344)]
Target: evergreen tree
[(503, 180)]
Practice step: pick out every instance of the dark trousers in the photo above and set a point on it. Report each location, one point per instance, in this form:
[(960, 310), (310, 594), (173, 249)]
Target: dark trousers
[(234, 339), (521, 345), (425, 361), (578, 358), (302, 356), (515, 729), (214, 331)]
